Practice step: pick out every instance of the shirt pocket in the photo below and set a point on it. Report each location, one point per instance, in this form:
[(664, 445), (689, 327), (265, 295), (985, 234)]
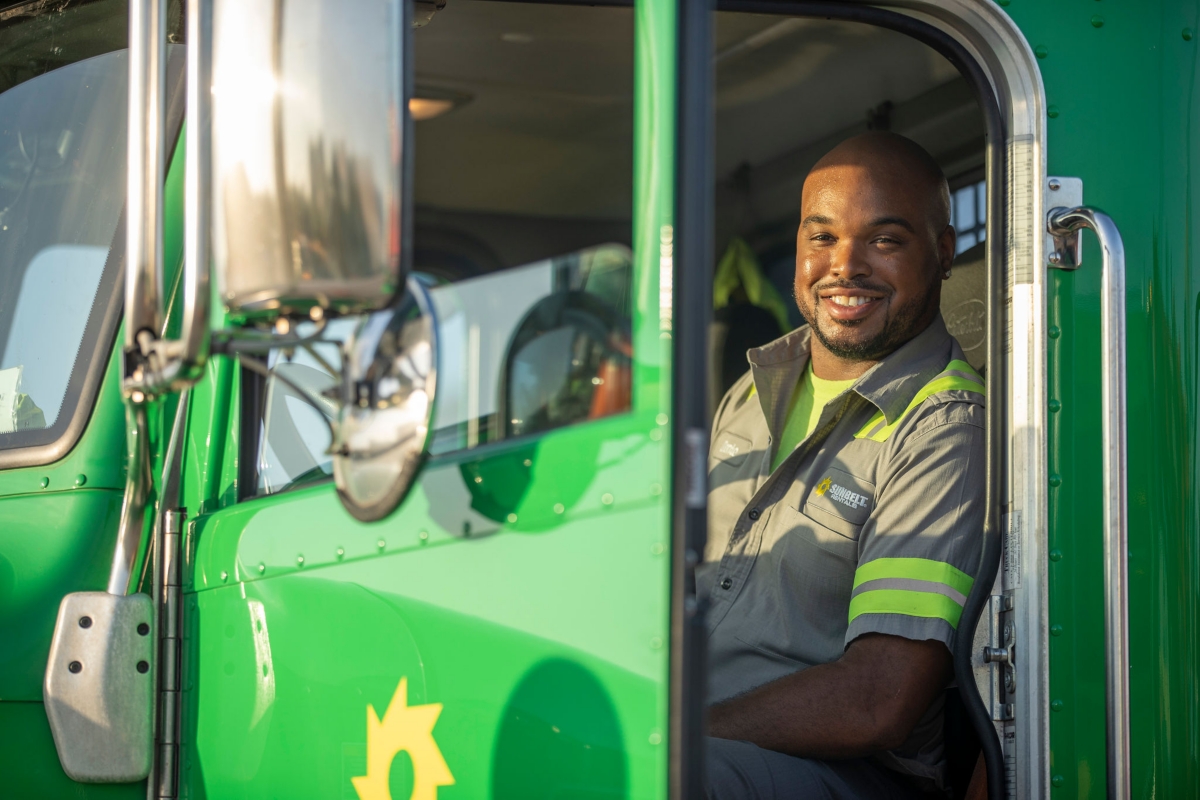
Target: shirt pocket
[(731, 449), (839, 504)]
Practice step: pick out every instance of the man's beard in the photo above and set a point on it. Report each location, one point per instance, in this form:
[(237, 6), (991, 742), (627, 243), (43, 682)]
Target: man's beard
[(901, 326)]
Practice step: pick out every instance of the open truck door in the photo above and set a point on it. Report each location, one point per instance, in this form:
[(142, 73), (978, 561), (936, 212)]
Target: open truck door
[(394, 479)]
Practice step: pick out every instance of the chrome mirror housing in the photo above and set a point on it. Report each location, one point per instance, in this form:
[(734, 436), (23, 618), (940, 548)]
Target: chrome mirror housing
[(386, 416), (307, 122)]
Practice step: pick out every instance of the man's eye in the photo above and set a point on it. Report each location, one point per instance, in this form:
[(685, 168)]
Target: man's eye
[(822, 237), (887, 240)]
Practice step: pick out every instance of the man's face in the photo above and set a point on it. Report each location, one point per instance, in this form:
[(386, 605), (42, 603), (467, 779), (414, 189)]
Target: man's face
[(869, 262)]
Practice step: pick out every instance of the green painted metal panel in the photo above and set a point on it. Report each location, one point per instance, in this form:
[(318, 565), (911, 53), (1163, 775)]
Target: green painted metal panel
[(50, 544), (1121, 83), (569, 618), (29, 765)]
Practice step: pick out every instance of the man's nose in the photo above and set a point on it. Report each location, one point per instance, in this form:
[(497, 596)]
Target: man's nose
[(849, 260)]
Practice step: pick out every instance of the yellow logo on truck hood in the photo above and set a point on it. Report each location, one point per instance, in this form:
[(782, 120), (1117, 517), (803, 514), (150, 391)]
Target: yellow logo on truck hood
[(408, 728)]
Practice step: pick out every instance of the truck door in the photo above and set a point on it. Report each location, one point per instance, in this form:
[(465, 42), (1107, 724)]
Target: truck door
[(505, 631)]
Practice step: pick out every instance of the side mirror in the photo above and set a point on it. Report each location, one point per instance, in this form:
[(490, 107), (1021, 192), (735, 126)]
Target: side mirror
[(295, 156), (307, 142), (386, 418)]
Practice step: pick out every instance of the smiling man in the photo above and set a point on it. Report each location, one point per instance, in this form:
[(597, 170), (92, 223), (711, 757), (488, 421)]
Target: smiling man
[(846, 501)]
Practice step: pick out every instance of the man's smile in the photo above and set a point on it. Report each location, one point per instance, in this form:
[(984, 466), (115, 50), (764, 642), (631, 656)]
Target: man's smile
[(849, 305)]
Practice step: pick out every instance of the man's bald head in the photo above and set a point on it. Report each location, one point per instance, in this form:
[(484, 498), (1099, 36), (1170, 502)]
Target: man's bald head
[(873, 247), (897, 160)]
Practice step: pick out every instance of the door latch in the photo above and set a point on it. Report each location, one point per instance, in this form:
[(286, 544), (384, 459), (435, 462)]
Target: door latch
[(1064, 247)]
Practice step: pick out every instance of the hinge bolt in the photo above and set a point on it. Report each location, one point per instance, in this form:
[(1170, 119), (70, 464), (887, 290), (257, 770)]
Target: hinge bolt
[(997, 655)]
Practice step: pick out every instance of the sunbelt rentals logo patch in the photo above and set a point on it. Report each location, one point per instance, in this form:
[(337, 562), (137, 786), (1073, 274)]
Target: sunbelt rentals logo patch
[(840, 494)]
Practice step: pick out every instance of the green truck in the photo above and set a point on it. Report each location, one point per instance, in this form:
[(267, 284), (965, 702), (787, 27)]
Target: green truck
[(357, 362)]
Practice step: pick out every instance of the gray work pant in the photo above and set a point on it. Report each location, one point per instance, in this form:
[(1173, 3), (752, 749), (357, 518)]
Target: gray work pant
[(743, 771)]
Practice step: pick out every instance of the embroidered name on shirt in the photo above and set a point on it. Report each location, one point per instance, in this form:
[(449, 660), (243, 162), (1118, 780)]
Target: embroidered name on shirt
[(728, 449), (841, 494)]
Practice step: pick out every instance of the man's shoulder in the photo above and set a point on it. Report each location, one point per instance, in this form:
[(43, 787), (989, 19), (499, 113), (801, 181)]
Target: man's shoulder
[(946, 412)]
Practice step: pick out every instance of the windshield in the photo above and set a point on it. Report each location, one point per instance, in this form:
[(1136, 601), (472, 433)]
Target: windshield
[(63, 77)]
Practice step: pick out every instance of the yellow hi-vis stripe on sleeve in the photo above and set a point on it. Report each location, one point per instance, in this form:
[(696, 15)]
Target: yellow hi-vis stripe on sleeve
[(958, 376), (917, 569), (908, 603), (913, 587)]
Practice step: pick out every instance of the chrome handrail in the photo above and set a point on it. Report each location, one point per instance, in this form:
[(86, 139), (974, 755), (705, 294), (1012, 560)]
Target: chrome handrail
[(131, 528), (144, 177), (194, 338), (157, 364), (1063, 222)]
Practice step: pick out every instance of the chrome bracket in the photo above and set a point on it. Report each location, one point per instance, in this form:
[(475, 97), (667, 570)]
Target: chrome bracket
[(999, 655), (1064, 248), (97, 691)]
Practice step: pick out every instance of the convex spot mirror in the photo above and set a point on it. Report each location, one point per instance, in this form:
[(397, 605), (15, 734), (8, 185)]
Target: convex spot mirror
[(386, 417), (306, 155)]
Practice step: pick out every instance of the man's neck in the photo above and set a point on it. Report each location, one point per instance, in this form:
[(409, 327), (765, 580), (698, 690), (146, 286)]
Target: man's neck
[(830, 367)]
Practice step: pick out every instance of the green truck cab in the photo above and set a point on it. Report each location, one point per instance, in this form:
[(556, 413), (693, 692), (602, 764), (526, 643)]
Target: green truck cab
[(357, 362)]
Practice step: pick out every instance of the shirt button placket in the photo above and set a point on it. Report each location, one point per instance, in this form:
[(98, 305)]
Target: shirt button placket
[(728, 582)]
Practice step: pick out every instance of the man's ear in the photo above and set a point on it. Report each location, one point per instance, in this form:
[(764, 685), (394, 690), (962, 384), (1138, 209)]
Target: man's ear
[(946, 244)]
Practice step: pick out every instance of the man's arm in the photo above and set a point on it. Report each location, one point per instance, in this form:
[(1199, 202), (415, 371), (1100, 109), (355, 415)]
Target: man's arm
[(867, 701)]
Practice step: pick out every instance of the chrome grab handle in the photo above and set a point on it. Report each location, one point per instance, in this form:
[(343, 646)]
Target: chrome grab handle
[(154, 364), (1063, 223), (144, 178), (121, 577)]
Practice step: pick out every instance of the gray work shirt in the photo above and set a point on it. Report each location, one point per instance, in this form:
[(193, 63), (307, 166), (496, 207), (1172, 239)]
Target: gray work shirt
[(872, 525)]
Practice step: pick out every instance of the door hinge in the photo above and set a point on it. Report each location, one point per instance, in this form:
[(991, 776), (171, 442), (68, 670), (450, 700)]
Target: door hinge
[(999, 656)]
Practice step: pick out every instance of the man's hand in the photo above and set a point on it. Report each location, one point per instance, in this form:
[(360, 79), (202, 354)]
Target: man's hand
[(867, 701)]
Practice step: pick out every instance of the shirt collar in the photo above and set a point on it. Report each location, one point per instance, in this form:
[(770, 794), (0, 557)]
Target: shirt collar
[(889, 385)]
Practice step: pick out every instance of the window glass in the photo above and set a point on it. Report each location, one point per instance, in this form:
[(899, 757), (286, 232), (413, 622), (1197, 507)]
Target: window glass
[(523, 205), (968, 215), (294, 434), (62, 170), (63, 76)]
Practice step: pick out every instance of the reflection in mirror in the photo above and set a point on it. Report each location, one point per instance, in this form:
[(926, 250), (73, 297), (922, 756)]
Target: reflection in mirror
[(519, 331), (306, 115), (383, 424), (569, 360)]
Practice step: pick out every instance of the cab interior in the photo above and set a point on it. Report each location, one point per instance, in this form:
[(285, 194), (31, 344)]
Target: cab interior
[(524, 148)]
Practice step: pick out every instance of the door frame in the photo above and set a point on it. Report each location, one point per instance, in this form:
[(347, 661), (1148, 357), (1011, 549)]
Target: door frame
[(994, 56)]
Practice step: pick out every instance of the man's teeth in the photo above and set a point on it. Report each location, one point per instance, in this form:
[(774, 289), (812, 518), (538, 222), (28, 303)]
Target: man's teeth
[(844, 300)]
